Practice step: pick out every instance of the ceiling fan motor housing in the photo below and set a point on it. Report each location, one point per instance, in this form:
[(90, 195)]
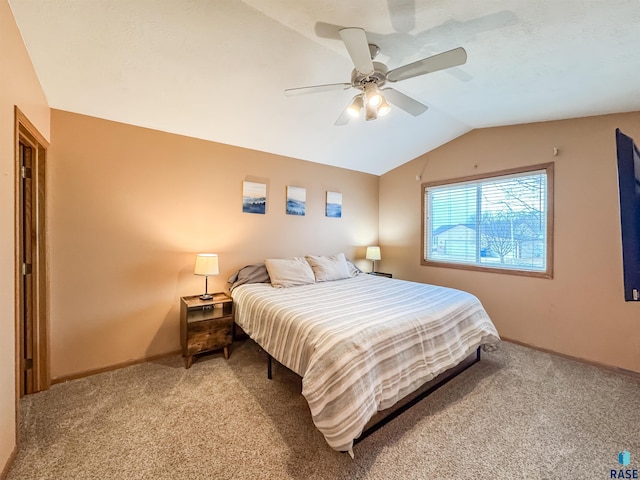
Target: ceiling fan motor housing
[(378, 76)]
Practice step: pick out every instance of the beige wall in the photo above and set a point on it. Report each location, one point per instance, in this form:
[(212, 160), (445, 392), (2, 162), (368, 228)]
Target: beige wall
[(581, 311), (129, 209), (18, 86)]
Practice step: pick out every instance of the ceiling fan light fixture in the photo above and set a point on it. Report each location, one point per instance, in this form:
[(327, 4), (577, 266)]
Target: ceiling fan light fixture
[(384, 108), (372, 94), (356, 105), (371, 113)]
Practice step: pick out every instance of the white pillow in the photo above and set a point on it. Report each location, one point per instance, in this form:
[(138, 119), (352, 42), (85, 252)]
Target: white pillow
[(330, 268), (289, 272)]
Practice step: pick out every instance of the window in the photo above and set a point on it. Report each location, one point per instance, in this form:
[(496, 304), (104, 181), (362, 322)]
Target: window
[(498, 222)]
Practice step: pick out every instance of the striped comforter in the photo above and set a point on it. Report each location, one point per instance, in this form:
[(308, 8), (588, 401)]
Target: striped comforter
[(363, 343)]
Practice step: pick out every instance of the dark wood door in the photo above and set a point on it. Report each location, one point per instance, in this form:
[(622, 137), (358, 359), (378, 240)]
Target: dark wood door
[(27, 253), (32, 364)]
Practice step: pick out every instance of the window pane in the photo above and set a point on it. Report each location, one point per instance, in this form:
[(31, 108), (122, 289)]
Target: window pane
[(496, 222), (452, 214), (512, 222)]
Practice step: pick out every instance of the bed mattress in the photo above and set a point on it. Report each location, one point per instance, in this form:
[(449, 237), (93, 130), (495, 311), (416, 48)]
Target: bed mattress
[(363, 343)]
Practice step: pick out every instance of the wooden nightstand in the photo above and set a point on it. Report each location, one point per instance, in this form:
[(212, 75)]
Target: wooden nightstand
[(381, 274), (205, 325)]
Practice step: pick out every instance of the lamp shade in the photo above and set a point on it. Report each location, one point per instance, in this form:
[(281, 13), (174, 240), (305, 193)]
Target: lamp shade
[(206, 264), (370, 112), (372, 94), (384, 108), (373, 253), (355, 106)]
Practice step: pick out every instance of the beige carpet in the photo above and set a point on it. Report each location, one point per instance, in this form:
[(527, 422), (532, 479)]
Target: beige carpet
[(518, 414)]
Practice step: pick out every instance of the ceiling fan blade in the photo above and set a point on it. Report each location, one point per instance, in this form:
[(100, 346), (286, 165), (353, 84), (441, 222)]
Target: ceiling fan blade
[(404, 102), (452, 58), (327, 30), (356, 42), (289, 92), (344, 117)]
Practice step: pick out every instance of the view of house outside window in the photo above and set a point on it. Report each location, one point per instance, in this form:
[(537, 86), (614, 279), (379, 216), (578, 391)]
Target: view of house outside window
[(499, 221)]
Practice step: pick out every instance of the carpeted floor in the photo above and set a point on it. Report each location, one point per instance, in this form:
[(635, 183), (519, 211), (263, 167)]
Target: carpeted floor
[(518, 414)]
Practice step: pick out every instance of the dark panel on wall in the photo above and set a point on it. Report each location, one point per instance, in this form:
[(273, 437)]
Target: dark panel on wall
[(629, 189)]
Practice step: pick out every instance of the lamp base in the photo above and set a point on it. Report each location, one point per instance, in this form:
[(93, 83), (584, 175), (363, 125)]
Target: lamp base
[(206, 296)]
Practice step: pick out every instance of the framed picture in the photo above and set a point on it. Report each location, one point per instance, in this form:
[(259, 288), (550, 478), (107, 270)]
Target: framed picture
[(254, 197), (296, 200), (334, 205)]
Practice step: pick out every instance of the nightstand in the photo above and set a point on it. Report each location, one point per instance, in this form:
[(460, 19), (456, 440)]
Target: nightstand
[(381, 274), (205, 325)]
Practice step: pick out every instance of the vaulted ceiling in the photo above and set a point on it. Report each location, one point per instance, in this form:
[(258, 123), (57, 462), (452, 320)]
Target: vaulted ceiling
[(217, 70)]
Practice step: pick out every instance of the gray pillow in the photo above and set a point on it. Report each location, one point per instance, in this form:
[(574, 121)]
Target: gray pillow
[(353, 270), (250, 274)]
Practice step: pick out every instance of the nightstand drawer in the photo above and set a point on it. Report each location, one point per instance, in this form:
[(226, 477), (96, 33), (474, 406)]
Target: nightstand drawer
[(209, 335)]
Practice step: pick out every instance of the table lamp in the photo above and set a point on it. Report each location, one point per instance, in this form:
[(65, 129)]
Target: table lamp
[(206, 264), (373, 254)]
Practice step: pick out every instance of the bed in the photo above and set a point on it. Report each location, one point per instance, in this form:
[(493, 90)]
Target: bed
[(361, 343)]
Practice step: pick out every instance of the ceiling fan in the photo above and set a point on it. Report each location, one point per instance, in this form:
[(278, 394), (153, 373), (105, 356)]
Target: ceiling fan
[(369, 77)]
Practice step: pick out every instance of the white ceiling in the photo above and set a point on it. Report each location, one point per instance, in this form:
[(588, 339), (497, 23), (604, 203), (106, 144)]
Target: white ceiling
[(217, 69)]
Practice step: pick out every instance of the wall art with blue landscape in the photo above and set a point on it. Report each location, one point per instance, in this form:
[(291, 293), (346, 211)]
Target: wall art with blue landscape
[(334, 204), (254, 197), (296, 200)]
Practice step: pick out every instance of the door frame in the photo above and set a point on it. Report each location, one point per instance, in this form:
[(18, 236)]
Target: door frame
[(25, 132)]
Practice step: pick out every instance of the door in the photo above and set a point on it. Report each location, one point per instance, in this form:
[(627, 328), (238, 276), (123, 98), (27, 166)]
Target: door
[(31, 280), (27, 248)]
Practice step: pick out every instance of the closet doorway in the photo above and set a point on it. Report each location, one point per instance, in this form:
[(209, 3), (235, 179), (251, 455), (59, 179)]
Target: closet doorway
[(32, 342)]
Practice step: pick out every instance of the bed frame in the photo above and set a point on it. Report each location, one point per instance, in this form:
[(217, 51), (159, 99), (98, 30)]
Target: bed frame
[(383, 417)]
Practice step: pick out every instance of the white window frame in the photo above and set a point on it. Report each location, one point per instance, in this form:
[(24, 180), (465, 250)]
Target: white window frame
[(548, 169)]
